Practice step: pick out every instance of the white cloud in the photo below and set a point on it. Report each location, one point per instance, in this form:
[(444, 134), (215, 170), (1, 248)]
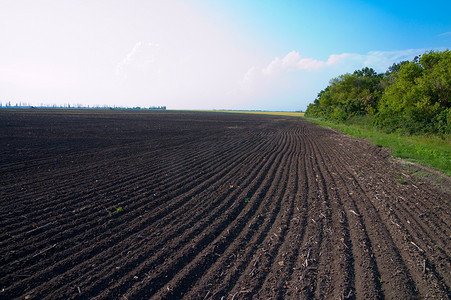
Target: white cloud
[(336, 58), (276, 72), (121, 66), (191, 75), (142, 56), (293, 61), (298, 77), (445, 34), (152, 69), (381, 60), (342, 63)]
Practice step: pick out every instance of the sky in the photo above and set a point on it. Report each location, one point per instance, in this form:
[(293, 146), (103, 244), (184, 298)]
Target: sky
[(204, 54)]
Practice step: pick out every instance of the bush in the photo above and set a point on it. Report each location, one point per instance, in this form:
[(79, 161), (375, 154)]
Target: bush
[(411, 97)]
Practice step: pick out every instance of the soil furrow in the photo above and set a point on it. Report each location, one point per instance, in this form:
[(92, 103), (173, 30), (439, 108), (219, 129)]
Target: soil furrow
[(274, 261), (337, 233), (161, 240), (195, 232), (163, 204), (112, 242), (229, 227), (407, 248), (256, 232), (394, 275)]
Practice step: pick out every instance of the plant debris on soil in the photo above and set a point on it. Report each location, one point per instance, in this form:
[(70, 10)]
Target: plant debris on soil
[(112, 204)]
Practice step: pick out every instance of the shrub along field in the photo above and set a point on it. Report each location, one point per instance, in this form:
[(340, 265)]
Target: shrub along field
[(407, 109), (112, 204), (411, 97)]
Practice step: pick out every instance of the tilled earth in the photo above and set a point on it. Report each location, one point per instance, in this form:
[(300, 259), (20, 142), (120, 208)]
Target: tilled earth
[(111, 204)]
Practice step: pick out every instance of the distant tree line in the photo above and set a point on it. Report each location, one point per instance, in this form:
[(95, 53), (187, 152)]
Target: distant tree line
[(410, 97), (26, 105)]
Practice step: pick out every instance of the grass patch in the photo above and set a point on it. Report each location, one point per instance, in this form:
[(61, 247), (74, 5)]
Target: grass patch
[(401, 180), (431, 151), (114, 211)]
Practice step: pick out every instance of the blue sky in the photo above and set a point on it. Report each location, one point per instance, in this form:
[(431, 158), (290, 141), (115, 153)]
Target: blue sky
[(196, 54), (320, 28)]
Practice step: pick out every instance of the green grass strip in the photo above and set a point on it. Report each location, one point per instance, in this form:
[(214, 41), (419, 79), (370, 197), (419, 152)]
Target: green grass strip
[(431, 151)]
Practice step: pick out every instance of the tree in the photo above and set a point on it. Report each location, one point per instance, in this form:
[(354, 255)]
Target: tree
[(348, 95), (419, 100)]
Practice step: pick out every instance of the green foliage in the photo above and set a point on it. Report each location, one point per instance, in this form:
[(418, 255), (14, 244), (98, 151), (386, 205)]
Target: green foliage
[(347, 96), (114, 211), (411, 97), (401, 180), (418, 101)]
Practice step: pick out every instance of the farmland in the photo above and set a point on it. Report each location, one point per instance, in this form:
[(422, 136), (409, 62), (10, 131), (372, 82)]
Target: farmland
[(112, 204), (273, 113)]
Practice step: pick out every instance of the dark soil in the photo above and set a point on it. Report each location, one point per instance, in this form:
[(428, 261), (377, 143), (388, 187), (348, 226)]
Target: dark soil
[(111, 204)]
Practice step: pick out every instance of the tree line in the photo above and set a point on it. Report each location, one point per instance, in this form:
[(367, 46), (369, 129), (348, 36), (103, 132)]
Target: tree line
[(411, 97)]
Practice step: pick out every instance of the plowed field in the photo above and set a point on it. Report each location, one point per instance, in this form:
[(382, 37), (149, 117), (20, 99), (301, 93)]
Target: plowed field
[(110, 204)]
